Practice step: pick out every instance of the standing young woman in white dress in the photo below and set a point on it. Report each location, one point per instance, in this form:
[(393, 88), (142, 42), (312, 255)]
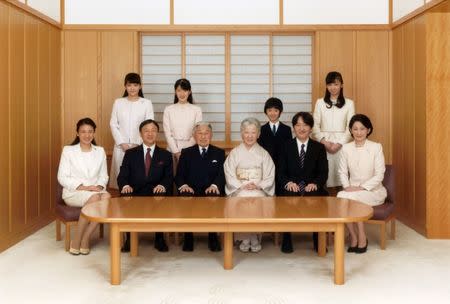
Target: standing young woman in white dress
[(332, 115), (180, 118), (83, 175), (127, 113), (361, 171)]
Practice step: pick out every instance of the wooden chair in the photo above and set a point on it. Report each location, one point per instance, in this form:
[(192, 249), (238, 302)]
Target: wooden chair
[(384, 214), (69, 217)]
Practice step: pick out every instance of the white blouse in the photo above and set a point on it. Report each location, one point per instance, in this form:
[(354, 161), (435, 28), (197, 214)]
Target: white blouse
[(126, 117)]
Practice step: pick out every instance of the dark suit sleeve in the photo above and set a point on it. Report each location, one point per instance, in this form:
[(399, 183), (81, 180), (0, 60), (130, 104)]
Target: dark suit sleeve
[(282, 167), (167, 180), (322, 166), (219, 181), (180, 178), (124, 174)]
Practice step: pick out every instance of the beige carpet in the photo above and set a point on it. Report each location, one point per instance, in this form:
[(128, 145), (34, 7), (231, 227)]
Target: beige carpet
[(411, 270)]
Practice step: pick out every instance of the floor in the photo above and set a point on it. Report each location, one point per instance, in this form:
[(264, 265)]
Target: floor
[(411, 270)]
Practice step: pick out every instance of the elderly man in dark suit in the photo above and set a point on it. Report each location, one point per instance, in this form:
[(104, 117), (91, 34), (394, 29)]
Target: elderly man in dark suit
[(302, 168), (147, 170), (200, 173)]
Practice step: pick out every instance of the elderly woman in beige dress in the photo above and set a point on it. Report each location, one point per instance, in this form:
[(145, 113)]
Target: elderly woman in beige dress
[(249, 172), (361, 171)]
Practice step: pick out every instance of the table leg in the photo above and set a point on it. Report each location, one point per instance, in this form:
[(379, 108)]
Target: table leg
[(322, 244), (134, 244), (339, 255), (228, 251), (115, 254)]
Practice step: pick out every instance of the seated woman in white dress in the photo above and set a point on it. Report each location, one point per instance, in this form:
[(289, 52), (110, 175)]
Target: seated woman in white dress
[(361, 171), (249, 172), (83, 175)]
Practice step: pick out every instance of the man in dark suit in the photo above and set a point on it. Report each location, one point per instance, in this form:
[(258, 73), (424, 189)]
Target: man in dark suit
[(302, 168), (147, 170), (200, 173), (274, 134)]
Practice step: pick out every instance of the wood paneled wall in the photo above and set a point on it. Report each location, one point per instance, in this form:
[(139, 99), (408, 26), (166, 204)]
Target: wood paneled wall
[(30, 122), (363, 59), (421, 122), (95, 63)]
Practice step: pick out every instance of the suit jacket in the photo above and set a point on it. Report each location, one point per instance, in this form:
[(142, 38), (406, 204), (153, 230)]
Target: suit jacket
[(200, 173), (132, 171), (274, 143), (315, 168)]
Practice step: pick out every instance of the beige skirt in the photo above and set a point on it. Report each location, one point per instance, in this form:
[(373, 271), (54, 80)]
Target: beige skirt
[(78, 198)]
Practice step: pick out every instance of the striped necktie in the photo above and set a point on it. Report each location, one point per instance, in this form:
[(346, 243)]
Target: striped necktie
[(302, 156)]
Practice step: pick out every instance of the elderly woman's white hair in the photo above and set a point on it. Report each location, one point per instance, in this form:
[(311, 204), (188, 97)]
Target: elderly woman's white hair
[(201, 124), (249, 121)]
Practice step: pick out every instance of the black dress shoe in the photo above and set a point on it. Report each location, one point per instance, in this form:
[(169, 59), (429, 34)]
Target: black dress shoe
[(352, 249), (363, 249), (213, 242), (126, 245), (188, 244), (160, 243), (286, 244)]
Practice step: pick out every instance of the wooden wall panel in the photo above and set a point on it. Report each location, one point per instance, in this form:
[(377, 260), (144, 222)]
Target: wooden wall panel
[(334, 51), (372, 79), (419, 118), (438, 122), (31, 126), (17, 113), (4, 119), (44, 118), (28, 74), (55, 111), (80, 79), (117, 59)]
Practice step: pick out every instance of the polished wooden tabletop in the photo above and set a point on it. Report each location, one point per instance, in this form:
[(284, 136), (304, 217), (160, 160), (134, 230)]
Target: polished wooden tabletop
[(227, 210)]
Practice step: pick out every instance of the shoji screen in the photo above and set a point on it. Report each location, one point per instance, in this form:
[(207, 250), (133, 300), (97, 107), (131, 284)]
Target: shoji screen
[(205, 69), (291, 72), (260, 66), (161, 67), (250, 79)]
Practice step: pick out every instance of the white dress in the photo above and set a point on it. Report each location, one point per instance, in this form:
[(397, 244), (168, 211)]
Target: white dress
[(331, 124), (125, 120), (178, 122), (363, 166), (81, 168)]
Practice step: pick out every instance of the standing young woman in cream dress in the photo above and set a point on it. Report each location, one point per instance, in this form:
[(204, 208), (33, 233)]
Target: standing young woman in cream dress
[(127, 113), (180, 118), (361, 171), (332, 115)]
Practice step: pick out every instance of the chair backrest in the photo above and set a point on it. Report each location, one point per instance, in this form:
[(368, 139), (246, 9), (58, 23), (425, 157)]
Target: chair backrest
[(59, 200), (389, 183)]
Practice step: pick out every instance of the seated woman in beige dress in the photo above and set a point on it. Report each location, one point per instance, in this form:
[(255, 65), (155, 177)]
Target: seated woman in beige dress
[(249, 172), (83, 175), (361, 170)]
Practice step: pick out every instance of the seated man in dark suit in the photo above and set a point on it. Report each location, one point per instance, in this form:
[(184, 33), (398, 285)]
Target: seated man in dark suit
[(302, 168), (274, 134), (200, 173), (147, 170)]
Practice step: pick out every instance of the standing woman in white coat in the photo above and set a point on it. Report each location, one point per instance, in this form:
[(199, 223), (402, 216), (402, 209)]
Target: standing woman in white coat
[(361, 171), (180, 118), (127, 113), (332, 115), (83, 175)]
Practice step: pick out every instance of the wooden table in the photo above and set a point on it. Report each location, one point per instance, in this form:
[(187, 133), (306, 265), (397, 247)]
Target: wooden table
[(227, 215)]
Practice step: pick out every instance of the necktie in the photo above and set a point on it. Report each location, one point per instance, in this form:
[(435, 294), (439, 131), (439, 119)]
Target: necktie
[(302, 187), (302, 156), (274, 129), (148, 161), (203, 152)]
